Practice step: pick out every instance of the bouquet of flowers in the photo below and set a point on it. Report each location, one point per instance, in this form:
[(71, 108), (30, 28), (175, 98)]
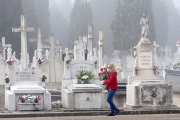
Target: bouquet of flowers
[(154, 67), (37, 99), (22, 99), (40, 60), (6, 79), (103, 74), (9, 61), (43, 78)]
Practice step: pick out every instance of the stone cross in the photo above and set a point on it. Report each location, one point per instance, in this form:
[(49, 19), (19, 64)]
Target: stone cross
[(23, 29), (100, 48), (131, 50), (178, 45), (161, 50), (117, 52), (170, 51), (155, 46), (4, 47), (166, 50)]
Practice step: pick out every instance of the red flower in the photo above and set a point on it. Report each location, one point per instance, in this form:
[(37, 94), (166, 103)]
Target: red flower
[(154, 67), (136, 68), (99, 74), (104, 68), (10, 58), (13, 61), (101, 69), (102, 72)]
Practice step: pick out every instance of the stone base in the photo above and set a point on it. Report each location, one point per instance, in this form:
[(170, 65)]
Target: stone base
[(82, 97), (150, 95), (153, 107)]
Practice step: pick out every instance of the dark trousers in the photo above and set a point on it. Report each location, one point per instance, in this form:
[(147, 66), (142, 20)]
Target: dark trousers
[(110, 100)]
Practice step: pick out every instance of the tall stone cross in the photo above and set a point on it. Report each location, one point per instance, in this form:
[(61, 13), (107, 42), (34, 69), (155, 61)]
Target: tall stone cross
[(23, 29), (39, 42), (178, 45), (131, 50), (117, 52), (155, 46), (166, 50), (161, 50), (4, 47), (170, 51)]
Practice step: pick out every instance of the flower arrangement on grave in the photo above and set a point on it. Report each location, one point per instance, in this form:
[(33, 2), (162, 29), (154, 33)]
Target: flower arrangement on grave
[(6, 79), (22, 99), (118, 69), (178, 42), (103, 74), (84, 76), (36, 100), (40, 60), (68, 61), (43, 78), (9, 61), (136, 69), (154, 68)]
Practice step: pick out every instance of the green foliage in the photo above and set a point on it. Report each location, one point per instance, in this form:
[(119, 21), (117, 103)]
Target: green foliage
[(81, 15), (126, 27), (103, 13), (104, 76), (58, 24), (81, 73), (10, 17), (161, 21)]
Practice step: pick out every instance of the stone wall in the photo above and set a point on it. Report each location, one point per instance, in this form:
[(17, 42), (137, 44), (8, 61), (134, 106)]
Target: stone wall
[(2, 99)]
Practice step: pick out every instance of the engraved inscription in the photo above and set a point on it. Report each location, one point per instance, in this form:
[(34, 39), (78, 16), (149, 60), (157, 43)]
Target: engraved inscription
[(145, 59)]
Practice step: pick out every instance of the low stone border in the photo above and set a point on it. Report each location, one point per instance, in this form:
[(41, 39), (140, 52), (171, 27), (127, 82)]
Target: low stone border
[(80, 113)]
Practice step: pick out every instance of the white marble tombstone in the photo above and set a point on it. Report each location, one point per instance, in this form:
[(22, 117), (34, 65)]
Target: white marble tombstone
[(145, 89)]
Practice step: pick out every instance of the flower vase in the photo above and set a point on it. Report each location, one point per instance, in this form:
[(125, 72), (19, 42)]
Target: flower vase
[(7, 86), (43, 84), (85, 82), (136, 72), (154, 72)]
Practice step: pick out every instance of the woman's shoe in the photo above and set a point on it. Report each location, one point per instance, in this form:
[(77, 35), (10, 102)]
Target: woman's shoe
[(110, 114), (116, 111)]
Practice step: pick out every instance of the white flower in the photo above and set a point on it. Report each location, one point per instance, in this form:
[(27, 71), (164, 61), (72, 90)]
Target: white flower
[(85, 77)]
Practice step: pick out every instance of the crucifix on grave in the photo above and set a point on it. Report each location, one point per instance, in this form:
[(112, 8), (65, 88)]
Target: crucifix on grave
[(39, 42), (170, 51), (4, 47), (131, 50), (166, 50), (161, 50), (155, 46), (23, 29), (117, 52), (178, 45)]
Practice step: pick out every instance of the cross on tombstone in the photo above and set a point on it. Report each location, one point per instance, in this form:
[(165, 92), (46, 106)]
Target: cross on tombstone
[(155, 46), (23, 29), (131, 50), (4, 47), (170, 51), (166, 50), (39, 39), (178, 45), (117, 52), (161, 50)]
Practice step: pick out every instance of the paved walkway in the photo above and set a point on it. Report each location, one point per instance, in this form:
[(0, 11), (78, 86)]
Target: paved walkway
[(118, 117)]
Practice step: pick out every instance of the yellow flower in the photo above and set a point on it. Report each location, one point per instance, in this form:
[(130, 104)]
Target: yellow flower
[(118, 67)]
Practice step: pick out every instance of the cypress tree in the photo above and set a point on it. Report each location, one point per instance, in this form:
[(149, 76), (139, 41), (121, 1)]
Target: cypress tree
[(161, 21), (81, 15), (10, 17), (125, 25)]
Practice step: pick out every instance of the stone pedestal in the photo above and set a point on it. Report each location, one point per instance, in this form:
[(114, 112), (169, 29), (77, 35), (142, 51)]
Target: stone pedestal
[(82, 97), (149, 95)]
